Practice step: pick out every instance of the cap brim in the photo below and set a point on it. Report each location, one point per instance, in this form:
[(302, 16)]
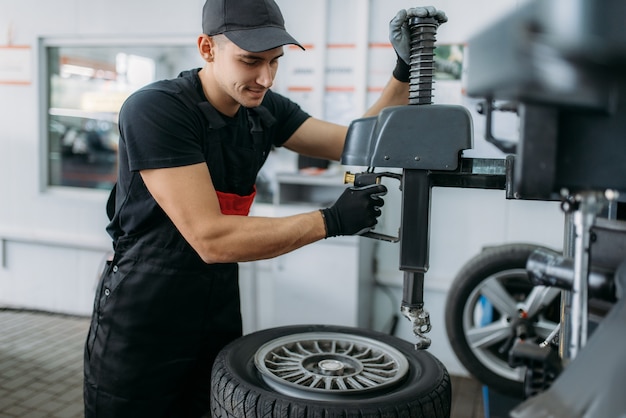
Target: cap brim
[(261, 39)]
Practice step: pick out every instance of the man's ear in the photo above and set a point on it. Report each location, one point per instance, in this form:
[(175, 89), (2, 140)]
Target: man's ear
[(206, 47)]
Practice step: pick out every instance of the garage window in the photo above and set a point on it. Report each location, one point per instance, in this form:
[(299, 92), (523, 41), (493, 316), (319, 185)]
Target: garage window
[(85, 83)]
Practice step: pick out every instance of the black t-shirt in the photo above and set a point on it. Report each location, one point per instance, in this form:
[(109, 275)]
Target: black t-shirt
[(169, 124)]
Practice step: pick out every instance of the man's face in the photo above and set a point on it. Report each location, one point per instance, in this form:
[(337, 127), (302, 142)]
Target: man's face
[(242, 75)]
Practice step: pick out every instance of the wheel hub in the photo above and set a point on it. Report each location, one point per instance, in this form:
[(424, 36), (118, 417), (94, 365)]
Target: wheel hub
[(332, 367)]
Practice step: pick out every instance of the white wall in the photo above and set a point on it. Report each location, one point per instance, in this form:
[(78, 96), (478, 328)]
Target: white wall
[(52, 241)]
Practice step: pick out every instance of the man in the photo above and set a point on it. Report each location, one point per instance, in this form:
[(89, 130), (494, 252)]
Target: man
[(190, 150)]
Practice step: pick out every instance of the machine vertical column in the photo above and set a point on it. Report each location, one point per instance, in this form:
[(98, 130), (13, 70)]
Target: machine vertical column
[(416, 186), (415, 221), (414, 250)]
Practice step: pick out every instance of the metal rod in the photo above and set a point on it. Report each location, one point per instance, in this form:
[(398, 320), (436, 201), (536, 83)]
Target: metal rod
[(566, 296), (590, 204)]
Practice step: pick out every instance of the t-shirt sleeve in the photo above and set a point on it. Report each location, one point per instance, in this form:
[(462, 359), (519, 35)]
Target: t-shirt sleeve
[(159, 131), (289, 116)]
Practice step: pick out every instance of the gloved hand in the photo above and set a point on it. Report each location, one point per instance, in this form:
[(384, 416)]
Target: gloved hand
[(355, 211), (400, 36)]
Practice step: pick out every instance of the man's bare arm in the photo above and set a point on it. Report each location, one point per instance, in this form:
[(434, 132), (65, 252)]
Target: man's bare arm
[(188, 197), (321, 139)]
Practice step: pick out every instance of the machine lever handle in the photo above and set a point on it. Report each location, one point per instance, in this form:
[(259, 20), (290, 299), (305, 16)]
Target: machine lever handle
[(379, 236)]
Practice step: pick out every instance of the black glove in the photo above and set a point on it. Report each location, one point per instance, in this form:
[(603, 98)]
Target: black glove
[(402, 71), (355, 211)]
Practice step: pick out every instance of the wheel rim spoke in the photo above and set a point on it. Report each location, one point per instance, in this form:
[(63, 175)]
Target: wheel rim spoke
[(538, 298), (487, 336), (499, 297)]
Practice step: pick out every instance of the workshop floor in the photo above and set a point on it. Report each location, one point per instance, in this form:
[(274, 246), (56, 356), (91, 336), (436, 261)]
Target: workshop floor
[(41, 368)]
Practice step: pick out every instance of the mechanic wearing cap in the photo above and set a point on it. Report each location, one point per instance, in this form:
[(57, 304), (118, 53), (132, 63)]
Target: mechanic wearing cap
[(190, 150)]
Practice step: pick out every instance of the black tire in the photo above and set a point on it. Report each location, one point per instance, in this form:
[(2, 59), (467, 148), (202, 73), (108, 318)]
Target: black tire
[(239, 390), (482, 347)]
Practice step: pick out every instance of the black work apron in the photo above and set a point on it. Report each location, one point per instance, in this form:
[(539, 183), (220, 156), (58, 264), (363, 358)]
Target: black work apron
[(160, 318)]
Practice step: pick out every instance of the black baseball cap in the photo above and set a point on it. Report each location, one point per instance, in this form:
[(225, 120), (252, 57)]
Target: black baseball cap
[(252, 25)]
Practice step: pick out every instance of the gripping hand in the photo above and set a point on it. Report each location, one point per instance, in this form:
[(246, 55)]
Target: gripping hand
[(355, 211), (399, 33), (400, 36)]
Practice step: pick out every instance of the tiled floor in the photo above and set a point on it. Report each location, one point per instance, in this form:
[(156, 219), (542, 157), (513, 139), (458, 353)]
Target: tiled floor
[(41, 368), (41, 365)]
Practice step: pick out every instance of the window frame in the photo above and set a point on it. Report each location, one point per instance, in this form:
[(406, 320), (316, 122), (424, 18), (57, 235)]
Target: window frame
[(45, 43)]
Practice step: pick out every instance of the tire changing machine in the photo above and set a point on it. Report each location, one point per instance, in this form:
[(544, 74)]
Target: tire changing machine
[(560, 66)]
